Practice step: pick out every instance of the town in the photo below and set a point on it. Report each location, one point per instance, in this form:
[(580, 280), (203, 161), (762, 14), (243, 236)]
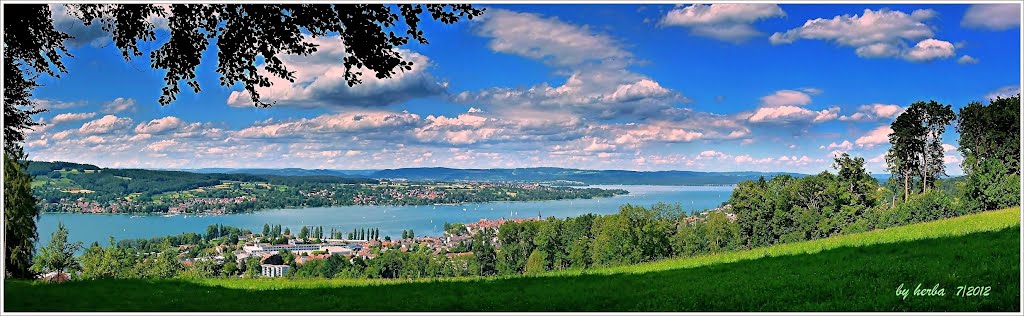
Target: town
[(277, 253), (79, 188)]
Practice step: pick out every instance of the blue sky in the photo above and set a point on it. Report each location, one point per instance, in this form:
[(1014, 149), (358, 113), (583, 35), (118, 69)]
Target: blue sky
[(643, 87)]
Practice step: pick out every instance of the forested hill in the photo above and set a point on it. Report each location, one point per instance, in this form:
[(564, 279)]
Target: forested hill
[(528, 175), (108, 182)]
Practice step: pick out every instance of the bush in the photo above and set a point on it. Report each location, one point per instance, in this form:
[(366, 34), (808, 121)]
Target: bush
[(991, 187), (929, 206)]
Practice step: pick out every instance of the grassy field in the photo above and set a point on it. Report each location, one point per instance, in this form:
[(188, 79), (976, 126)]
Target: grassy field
[(858, 272)]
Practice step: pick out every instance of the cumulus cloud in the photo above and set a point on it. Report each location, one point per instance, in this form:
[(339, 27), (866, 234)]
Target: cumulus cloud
[(967, 60), (330, 124), (162, 145), (792, 114), (71, 117), (548, 39), (876, 34), (320, 83), (996, 17), (119, 105), (598, 83), (844, 146), (1004, 92), (730, 22), (879, 135), (874, 112), (786, 97), (930, 49), (105, 125), (158, 126)]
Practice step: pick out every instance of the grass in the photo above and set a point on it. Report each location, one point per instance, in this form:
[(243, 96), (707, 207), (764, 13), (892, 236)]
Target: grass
[(857, 272)]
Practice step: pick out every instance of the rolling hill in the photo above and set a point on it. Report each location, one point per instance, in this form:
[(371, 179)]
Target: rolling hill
[(856, 272)]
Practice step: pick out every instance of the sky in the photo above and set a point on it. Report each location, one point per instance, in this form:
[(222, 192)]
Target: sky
[(708, 87)]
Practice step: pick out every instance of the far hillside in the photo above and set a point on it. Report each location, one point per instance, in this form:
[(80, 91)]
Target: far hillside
[(551, 175)]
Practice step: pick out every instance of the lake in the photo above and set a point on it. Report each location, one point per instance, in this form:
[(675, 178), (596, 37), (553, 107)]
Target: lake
[(424, 220)]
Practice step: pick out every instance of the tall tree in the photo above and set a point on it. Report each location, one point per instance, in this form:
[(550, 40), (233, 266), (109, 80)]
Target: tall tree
[(990, 132), (20, 215), (935, 118), (908, 143), (59, 255), (32, 47), (990, 144)]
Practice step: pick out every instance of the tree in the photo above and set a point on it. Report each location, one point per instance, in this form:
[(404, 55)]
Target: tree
[(166, 264), (536, 263), (907, 139), (990, 144), (304, 232), (59, 255), (287, 231), (405, 234), (266, 230), (20, 214), (935, 119), (412, 235)]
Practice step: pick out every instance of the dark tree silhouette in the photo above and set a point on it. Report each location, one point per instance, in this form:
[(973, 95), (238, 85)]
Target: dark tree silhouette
[(245, 33)]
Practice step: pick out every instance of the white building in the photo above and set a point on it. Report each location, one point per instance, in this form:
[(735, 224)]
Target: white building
[(274, 270), (259, 249)]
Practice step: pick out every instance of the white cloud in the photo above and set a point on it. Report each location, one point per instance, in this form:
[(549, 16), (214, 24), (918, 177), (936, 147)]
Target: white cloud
[(879, 135), (56, 104), (730, 22), (950, 159), (948, 148), (598, 84), (875, 34), (71, 117), (792, 114), (1003, 92), (786, 97), (119, 105), (996, 17), (158, 126), (967, 59), (105, 125), (330, 124), (61, 135), (713, 154), (844, 146), (548, 39), (930, 49), (874, 112), (162, 145), (320, 83)]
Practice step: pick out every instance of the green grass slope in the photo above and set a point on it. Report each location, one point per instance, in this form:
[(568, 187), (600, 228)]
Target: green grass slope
[(858, 272)]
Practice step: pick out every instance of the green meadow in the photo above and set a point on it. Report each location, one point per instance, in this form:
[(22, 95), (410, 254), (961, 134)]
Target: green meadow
[(856, 272)]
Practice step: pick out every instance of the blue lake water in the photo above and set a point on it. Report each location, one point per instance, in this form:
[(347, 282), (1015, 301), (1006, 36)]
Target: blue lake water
[(424, 220)]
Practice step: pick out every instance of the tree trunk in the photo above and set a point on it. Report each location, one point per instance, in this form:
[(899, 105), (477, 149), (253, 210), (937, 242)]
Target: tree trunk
[(924, 175), (906, 186)]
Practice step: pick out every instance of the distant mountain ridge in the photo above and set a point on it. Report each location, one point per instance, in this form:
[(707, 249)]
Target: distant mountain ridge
[(538, 174), (535, 174)]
